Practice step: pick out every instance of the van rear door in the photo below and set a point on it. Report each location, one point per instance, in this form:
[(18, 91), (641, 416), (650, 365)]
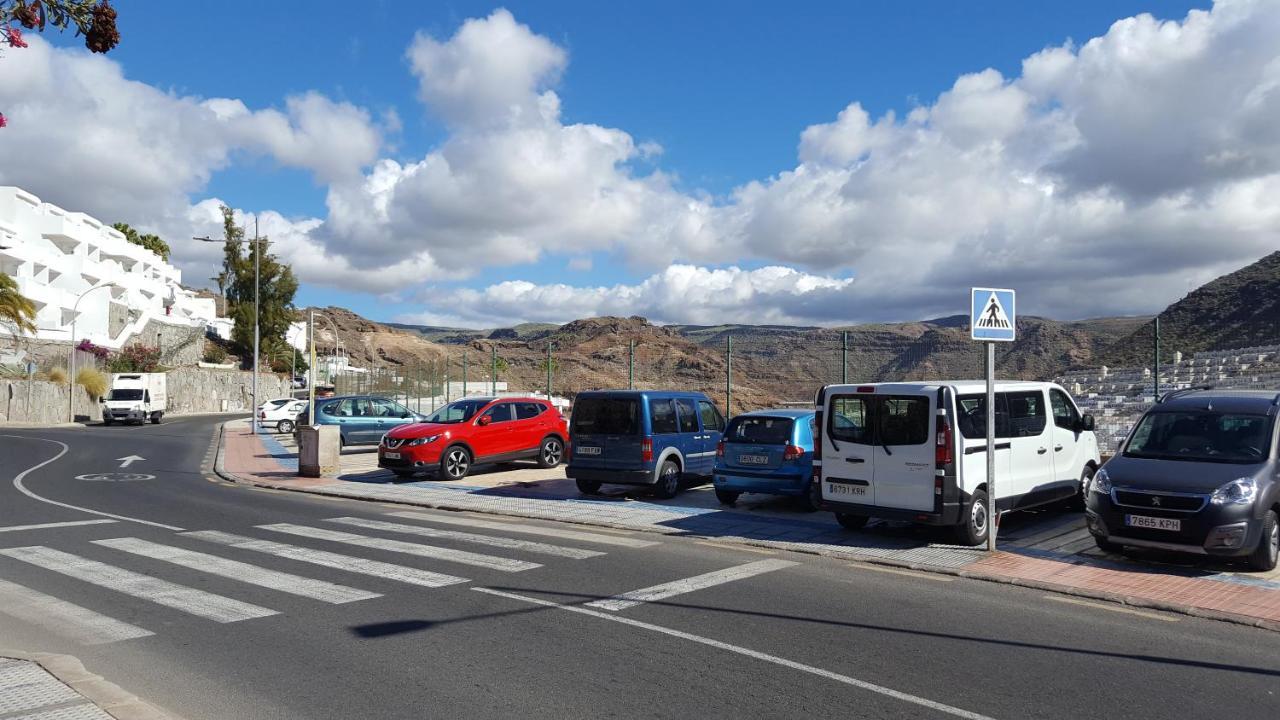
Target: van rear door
[(904, 450), (848, 463), (605, 432)]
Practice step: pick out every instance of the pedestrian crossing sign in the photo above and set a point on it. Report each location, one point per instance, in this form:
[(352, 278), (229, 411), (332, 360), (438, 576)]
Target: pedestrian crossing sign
[(993, 315)]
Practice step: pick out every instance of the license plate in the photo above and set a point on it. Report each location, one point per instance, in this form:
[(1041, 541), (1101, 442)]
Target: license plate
[(588, 450), (753, 459), (1153, 523), (391, 455), (843, 489)]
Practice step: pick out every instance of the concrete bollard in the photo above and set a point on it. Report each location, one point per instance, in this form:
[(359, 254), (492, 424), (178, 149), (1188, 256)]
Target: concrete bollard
[(319, 451)]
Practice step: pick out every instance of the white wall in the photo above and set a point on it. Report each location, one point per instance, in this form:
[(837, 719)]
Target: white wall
[(55, 255)]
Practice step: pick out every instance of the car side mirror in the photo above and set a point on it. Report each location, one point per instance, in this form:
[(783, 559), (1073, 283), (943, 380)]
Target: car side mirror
[(1086, 423), (484, 420)]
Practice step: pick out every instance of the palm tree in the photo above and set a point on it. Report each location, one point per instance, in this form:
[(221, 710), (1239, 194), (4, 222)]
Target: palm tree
[(17, 313)]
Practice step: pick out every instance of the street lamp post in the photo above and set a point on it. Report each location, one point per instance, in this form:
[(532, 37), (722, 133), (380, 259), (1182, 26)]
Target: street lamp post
[(257, 254), (71, 363)]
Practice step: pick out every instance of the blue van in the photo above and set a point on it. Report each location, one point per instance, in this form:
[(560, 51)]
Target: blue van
[(642, 437), (766, 451)]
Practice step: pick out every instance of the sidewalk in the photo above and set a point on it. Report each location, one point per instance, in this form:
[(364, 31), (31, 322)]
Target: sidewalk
[(57, 687), (1047, 549)]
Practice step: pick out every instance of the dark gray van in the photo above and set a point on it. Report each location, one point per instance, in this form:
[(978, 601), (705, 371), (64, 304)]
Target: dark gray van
[(1197, 474), (642, 437)]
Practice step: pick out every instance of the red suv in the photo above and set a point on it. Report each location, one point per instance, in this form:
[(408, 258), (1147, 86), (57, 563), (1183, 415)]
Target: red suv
[(476, 430)]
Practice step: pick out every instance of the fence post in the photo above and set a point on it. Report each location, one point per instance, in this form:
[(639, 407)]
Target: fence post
[(464, 373), (728, 375), (549, 344), (631, 364), (493, 369), (844, 357), (417, 384), (1155, 376)]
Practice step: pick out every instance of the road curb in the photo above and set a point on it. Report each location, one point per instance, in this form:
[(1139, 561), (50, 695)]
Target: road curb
[(1118, 598), (109, 697)]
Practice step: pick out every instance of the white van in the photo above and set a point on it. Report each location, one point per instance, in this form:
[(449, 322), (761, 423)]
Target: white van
[(136, 397), (917, 451)]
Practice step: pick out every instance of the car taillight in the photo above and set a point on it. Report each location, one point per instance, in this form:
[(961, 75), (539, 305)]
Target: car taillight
[(942, 452), (793, 452), (720, 449), (646, 449)]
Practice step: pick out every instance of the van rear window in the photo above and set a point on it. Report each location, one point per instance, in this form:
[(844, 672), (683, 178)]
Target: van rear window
[(903, 421), (759, 430), (605, 416)]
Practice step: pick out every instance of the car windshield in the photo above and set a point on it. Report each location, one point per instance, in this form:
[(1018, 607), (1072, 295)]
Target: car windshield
[(1201, 436), (759, 430), (460, 411), (125, 394)]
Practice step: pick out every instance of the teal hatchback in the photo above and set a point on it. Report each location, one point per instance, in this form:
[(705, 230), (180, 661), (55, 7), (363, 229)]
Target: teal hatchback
[(766, 451), (361, 419)]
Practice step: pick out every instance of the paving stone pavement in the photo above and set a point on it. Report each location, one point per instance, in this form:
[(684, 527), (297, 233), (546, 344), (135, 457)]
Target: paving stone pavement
[(1049, 548), (29, 692)]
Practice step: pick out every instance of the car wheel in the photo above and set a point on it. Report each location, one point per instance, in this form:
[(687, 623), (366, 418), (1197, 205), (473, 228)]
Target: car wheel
[(155, 419), (851, 522), (811, 498), (285, 427), (975, 525), (727, 497), (550, 453), (1107, 546), (1264, 557), (106, 421), (455, 463), (668, 480), (1077, 502), (588, 487)]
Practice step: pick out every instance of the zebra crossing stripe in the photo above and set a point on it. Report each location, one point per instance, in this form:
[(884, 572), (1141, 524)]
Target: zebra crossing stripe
[(63, 618), (523, 529), (687, 585), (242, 571), (430, 551), (162, 592), (387, 571), (508, 543)]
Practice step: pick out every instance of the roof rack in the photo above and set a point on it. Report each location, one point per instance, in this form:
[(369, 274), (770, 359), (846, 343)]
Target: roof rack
[(1179, 393)]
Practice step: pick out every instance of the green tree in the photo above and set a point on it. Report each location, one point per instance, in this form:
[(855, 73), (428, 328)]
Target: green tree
[(17, 312), (148, 241), (276, 288)]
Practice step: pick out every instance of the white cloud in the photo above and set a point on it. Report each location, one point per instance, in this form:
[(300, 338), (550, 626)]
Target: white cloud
[(679, 294)]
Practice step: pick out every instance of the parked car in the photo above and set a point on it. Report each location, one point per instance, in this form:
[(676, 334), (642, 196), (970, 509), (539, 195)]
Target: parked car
[(642, 437), (476, 430), (766, 451), (280, 413), (917, 451), (298, 382), (361, 419), (1197, 474)]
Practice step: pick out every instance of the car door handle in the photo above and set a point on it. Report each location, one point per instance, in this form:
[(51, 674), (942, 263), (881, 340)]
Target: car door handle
[(855, 461), (1042, 451), (1057, 448)]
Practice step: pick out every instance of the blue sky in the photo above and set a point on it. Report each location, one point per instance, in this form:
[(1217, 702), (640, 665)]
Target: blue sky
[(726, 89)]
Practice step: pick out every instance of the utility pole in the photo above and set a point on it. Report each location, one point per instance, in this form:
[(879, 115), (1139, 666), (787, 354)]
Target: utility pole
[(257, 314), (631, 364), (493, 369), (311, 381), (844, 357), (464, 373), (1155, 376), (728, 375), (549, 344)]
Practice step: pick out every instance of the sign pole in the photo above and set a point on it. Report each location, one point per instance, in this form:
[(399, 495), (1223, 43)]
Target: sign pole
[(991, 446)]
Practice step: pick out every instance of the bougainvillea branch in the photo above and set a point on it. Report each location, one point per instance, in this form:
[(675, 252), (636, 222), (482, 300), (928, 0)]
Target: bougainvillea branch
[(94, 19)]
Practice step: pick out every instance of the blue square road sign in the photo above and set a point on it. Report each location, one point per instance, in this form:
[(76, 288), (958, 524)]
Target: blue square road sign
[(993, 315)]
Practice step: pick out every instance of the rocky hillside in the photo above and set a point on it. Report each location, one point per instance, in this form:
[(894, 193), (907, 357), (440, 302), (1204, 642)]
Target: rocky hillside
[(372, 344), (1241, 309)]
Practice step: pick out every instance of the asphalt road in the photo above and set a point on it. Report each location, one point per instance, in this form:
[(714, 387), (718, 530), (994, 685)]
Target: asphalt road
[(218, 635)]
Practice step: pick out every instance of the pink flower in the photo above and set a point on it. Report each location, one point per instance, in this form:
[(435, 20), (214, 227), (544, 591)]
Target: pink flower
[(3, 121), (13, 36)]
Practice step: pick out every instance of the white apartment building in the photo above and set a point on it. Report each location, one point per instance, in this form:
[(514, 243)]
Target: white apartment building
[(56, 255)]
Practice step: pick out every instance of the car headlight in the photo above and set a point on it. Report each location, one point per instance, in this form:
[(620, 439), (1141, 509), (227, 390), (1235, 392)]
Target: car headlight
[(422, 440), (1101, 483), (1237, 492)]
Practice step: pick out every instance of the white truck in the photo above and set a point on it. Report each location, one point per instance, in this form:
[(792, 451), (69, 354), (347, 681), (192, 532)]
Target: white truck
[(135, 397)]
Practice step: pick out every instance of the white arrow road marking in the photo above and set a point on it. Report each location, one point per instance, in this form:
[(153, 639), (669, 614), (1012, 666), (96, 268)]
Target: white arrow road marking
[(364, 566), (242, 571), (687, 585), (162, 592), (748, 652), (509, 543), (430, 551), (63, 618), (129, 460)]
